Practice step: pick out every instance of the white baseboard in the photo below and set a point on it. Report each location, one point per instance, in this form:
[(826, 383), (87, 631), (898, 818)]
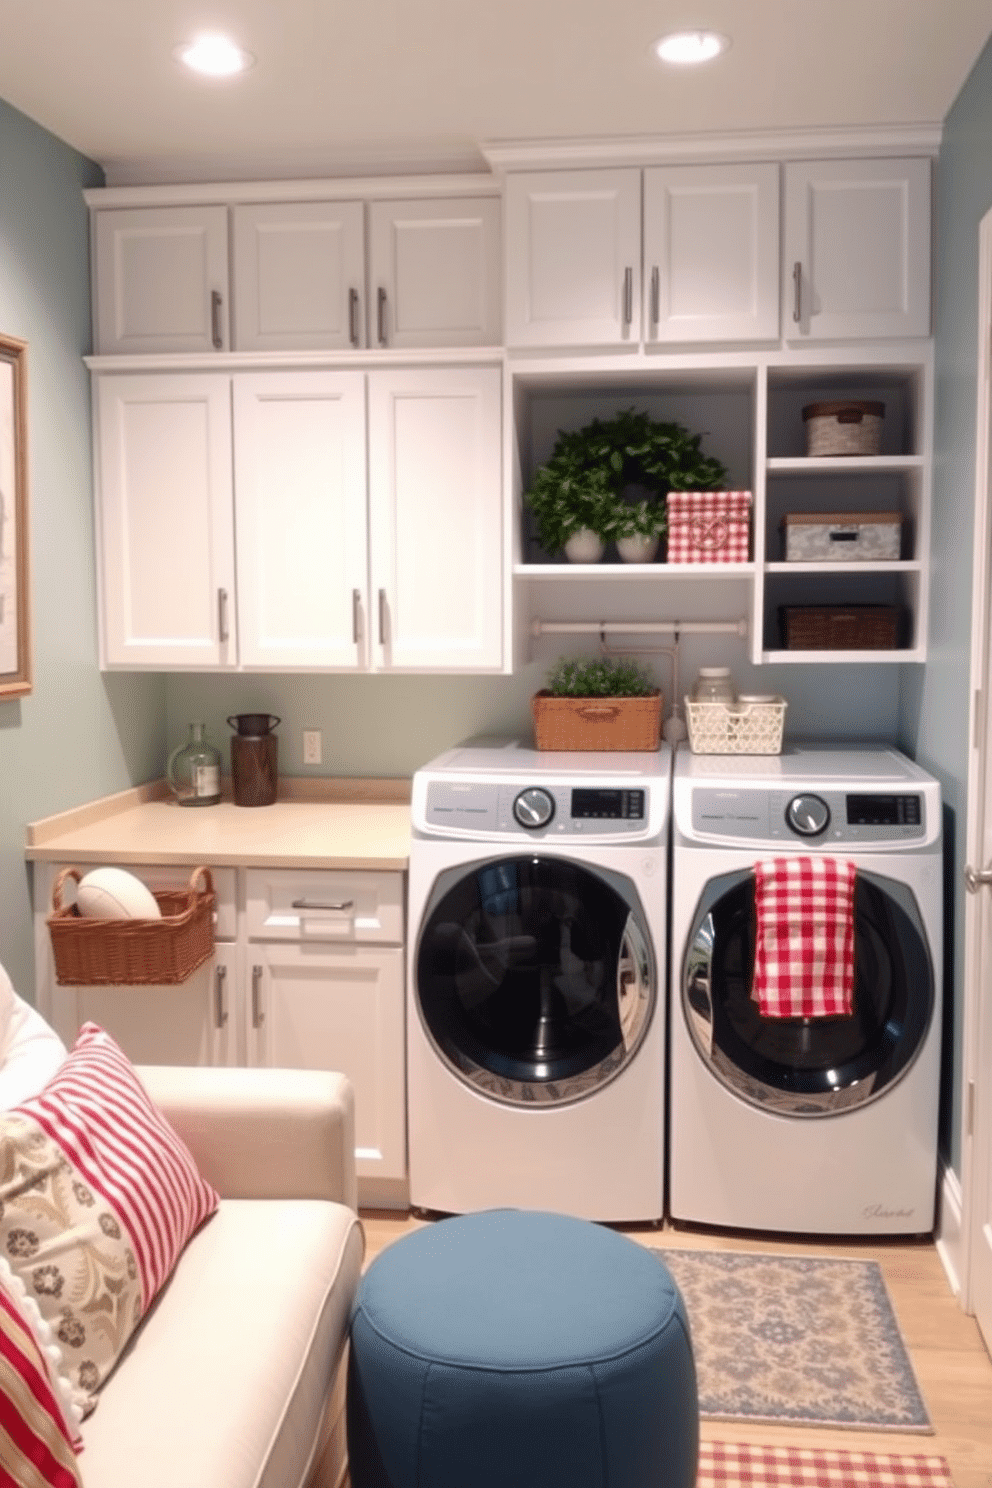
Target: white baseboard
[(949, 1233)]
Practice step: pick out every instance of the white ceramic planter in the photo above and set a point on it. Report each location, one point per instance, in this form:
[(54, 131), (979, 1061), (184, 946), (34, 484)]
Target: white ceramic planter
[(637, 549), (584, 546)]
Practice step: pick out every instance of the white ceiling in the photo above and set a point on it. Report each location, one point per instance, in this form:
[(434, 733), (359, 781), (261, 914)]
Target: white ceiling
[(354, 86)]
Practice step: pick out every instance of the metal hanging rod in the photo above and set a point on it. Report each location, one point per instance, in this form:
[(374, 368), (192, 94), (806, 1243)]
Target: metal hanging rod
[(638, 627)]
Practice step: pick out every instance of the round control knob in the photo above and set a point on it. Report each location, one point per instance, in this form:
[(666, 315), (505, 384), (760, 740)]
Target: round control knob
[(808, 815), (534, 807)]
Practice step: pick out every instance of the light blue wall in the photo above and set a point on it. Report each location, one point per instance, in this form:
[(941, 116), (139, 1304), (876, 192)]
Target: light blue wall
[(76, 735), (936, 708)]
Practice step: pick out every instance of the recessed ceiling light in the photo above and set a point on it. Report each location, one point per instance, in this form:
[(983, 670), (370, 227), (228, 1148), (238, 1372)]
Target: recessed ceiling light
[(214, 56), (684, 48)]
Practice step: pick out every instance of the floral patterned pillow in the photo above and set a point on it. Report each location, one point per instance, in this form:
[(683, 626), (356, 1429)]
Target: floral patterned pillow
[(39, 1427), (98, 1197)]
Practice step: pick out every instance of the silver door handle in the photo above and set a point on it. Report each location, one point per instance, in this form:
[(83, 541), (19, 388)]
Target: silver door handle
[(381, 315), (975, 879), (655, 295), (216, 329), (257, 1014), (356, 615), (222, 614), (320, 904), (382, 617), (628, 296), (353, 316), (797, 290), (220, 1002)]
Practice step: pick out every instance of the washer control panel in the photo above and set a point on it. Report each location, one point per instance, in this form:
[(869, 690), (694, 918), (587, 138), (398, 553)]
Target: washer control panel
[(518, 808), (823, 818)]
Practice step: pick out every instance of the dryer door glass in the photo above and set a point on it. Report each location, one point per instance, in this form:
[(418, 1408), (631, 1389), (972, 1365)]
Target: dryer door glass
[(809, 1066), (534, 977)]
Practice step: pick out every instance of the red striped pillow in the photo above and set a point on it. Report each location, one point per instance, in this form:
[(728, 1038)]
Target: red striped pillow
[(37, 1434), (96, 1204)]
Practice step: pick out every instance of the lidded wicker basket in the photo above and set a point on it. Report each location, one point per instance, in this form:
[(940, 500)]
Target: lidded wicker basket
[(851, 427), (608, 723)]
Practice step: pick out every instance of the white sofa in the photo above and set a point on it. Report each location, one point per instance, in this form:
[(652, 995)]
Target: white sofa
[(235, 1377)]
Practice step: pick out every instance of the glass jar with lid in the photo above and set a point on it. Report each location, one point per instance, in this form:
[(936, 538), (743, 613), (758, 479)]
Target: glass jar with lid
[(714, 685)]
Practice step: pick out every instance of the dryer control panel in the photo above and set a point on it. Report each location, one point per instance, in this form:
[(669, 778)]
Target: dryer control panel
[(816, 817)]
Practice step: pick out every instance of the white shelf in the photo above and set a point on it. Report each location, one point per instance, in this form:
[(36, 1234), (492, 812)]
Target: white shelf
[(864, 570), (842, 464), (872, 658), (662, 572)]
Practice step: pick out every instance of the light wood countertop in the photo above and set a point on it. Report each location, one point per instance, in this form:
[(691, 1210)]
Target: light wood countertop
[(323, 823)]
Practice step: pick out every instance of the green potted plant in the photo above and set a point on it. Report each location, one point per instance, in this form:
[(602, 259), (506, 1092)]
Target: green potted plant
[(582, 486), (598, 702)]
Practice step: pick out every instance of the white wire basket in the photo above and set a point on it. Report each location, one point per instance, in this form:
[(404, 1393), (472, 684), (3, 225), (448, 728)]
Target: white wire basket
[(736, 728)]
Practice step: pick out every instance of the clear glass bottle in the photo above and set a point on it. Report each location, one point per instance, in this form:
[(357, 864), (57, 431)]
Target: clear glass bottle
[(193, 770), (714, 685)]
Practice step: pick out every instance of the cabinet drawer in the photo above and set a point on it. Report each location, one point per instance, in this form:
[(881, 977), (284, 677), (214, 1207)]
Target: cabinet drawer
[(348, 905)]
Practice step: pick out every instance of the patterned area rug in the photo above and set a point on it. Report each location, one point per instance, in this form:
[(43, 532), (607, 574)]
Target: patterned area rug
[(787, 1338), (727, 1465)]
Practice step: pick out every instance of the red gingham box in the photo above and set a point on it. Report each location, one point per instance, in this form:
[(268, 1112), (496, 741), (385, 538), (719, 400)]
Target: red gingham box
[(709, 526)]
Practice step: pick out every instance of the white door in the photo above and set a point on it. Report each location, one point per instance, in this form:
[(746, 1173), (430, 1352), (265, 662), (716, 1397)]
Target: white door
[(299, 455), (299, 275), (434, 272), (338, 1007), (165, 520), (435, 507), (161, 279), (977, 1061), (711, 253), (857, 249), (573, 258)]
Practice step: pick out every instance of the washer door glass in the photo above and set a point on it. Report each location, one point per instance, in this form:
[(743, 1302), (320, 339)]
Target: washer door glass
[(809, 1066), (534, 977)]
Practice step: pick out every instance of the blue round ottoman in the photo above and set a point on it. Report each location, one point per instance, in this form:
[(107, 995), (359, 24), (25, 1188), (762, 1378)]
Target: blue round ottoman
[(519, 1348)]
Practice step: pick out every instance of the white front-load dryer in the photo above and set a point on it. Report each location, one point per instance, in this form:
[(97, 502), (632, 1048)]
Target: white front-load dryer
[(536, 981), (822, 1125)]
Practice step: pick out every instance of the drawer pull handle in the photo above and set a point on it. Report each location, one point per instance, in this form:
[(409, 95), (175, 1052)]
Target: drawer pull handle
[(220, 1007), (257, 1015), (320, 904)]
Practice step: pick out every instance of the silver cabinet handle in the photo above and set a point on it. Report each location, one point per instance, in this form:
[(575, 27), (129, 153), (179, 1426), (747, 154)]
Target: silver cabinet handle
[(628, 296), (797, 287), (222, 614), (975, 879), (356, 615), (353, 316), (216, 330), (381, 315), (220, 1001), (257, 1014), (382, 617), (655, 295), (323, 904)]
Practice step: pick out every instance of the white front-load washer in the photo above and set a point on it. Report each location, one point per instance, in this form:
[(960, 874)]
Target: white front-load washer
[(536, 981), (814, 1125)]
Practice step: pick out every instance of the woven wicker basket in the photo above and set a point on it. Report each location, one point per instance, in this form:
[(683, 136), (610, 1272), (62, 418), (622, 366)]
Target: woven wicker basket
[(609, 723), (741, 728), (847, 428), (840, 627), (117, 953)]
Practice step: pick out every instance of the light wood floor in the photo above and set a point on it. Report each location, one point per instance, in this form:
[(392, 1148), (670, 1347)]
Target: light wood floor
[(952, 1366)]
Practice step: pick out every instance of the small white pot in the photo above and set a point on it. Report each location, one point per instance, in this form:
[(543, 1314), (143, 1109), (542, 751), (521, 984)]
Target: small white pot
[(638, 549), (584, 546)]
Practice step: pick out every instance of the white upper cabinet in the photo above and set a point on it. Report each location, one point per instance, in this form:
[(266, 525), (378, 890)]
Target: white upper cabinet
[(857, 249), (434, 275), (165, 521), (299, 275), (711, 253), (161, 279), (435, 519), (573, 258), (299, 453)]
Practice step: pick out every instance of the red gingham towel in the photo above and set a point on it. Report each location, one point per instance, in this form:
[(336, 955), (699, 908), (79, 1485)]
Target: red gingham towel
[(708, 526), (804, 948), (740, 1465)]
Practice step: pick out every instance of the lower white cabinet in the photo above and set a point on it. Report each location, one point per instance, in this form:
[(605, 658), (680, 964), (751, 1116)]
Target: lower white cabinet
[(307, 973)]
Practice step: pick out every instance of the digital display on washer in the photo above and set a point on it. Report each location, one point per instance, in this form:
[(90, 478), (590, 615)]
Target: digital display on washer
[(608, 805), (884, 811)]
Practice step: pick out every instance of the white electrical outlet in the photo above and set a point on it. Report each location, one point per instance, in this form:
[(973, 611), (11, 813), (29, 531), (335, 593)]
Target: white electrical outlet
[(311, 746)]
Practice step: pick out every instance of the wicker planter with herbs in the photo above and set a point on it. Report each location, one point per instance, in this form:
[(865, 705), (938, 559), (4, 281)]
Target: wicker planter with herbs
[(598, 704)]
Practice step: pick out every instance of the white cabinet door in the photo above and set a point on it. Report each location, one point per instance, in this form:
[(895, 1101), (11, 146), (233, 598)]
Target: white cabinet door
[(434, 272), (161, 279), (436, 520), (300, 479), (299, 275), (338, 1007), (711, 253), (857, 249), (165, 520), (573, 258)]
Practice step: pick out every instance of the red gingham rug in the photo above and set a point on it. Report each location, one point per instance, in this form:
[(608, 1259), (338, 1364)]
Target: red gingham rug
[(733, 1465)]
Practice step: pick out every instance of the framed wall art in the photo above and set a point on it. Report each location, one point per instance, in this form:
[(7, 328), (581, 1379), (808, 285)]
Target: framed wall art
[(15, 638)]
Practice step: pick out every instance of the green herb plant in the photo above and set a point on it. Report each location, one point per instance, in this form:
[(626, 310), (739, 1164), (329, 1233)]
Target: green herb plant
[(582, 484), (600, 676)]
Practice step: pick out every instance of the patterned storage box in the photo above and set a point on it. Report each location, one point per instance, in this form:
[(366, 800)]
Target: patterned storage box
[(709, 526), (842, 537)]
